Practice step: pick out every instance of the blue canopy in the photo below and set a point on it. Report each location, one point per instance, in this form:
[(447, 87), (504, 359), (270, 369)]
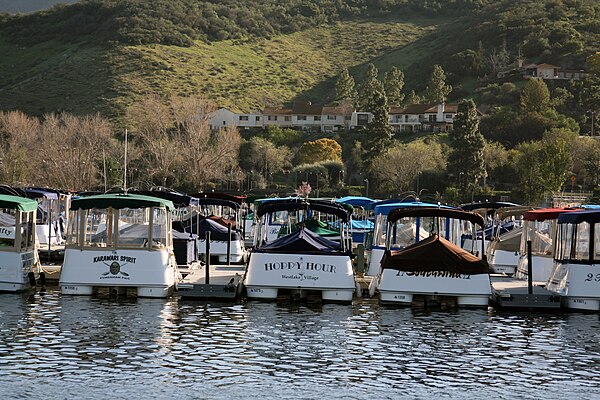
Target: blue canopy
[(356, 201), (386, 208), (577, 217), (590, 206)]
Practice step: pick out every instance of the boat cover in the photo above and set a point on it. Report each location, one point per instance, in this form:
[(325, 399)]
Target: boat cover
[(590, 216), (224, 221), (435, 254), (185, 247), (302, 241), (218, 232), (509, 241), (319, 227)]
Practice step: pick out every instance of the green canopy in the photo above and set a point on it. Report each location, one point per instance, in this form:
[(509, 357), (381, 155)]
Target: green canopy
[(319, 227), (118, 201), (17, 203)]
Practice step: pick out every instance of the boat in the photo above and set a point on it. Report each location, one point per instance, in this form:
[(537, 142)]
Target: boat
[(362, 224), (221, 217), (301, 261), (576, 272), (539, 227), (488, 211), (51, 221), (381, 211), (18, 254), (503, 249), (119, 241), (435, 267)]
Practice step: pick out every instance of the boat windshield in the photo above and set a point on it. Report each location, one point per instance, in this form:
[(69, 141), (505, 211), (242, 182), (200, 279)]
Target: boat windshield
[(12, 221), (573, 242), (540, 233), (132, 228), (409, 230)]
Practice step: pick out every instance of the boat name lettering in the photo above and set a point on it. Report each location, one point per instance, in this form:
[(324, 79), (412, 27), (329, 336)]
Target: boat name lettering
[(301, 277), (434, 274), (294, 265), (123, 259), (590, 277), (5, 231)]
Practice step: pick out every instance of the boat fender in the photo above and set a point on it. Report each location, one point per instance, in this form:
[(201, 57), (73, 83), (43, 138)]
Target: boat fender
[(43, 278), (373, 286), (31, 277)]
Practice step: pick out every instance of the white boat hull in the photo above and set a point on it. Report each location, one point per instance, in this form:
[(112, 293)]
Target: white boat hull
[(375, 261), (542, 268), (401, 286), (15, 269), (579, 284), (219, 249), (152, 273), (503, 262), (330, 274)]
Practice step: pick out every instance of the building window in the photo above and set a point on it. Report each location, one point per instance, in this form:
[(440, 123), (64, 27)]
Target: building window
[(243, 118), (348, 118), (301, 117), (331, 117), (272, 117), (448, 116), (317, 117), (257, 118), (288, 118), (224, 123)]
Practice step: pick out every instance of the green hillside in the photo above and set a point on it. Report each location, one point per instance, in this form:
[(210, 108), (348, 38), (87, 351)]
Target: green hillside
[(100, 55)]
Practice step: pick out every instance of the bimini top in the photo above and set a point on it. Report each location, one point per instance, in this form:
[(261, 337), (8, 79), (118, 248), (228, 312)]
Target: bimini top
[(223, 196), (544, 214), (218, 202), (17, 203), (488, 206), (398, 213), (356, 201), (386, 208), (342, 211), (577, 217), (41, 193), (178, 199), (118, 201)]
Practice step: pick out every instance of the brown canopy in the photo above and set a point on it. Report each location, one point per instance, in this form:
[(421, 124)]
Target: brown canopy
[(435, 254), (224, 221)]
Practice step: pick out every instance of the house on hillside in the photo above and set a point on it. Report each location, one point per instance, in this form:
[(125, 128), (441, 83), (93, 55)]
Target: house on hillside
[(337, 118), (424, 117), (224, 117), (277, 116), (549, 71), (307, 116)]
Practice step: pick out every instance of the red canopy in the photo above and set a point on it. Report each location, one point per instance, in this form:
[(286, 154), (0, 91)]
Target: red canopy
[(544, 214)]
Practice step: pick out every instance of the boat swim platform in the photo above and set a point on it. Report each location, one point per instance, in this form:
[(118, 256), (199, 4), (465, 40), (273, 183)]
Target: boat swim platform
[(225, 282), (509, 292)]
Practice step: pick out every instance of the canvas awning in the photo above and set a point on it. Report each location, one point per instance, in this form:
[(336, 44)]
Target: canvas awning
[(119, 201)]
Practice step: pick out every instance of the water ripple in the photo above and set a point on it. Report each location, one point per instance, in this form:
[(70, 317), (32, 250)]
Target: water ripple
[(145, 348)]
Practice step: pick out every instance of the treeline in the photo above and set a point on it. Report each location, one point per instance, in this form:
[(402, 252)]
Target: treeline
[(179, 22)]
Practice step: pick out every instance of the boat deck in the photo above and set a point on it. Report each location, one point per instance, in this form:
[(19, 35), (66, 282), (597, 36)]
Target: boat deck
[(225, 282), (509, 292)]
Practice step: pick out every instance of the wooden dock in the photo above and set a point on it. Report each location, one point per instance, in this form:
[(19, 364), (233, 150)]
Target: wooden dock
[(225, 282), (510, 292)]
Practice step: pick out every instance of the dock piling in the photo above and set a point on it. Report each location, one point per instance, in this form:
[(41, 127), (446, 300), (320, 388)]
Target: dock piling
[(207, 260), (529, 269), (229, 243)]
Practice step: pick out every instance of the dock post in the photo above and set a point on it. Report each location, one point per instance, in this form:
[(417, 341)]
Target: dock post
[(529, 269), (207, 260), (360, 259), (229, 243)]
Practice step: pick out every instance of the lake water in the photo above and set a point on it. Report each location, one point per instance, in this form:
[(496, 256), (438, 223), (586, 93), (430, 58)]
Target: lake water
[(81, 347)]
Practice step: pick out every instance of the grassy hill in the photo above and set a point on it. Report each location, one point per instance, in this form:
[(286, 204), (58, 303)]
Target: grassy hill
[(100, 55)]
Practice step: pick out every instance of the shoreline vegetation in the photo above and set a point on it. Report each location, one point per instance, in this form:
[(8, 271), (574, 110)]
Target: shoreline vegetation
[(74, 77)]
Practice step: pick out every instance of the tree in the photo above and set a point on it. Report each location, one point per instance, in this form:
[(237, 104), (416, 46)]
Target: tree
[(378, 130), (535, 96), (394, 82), (437, 90), (259, 154), (320, 150), (544, 165), (397, 167), (593, 62), (345, 89), (467, 157), (18, 133), (413, 98), (371, 85)]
